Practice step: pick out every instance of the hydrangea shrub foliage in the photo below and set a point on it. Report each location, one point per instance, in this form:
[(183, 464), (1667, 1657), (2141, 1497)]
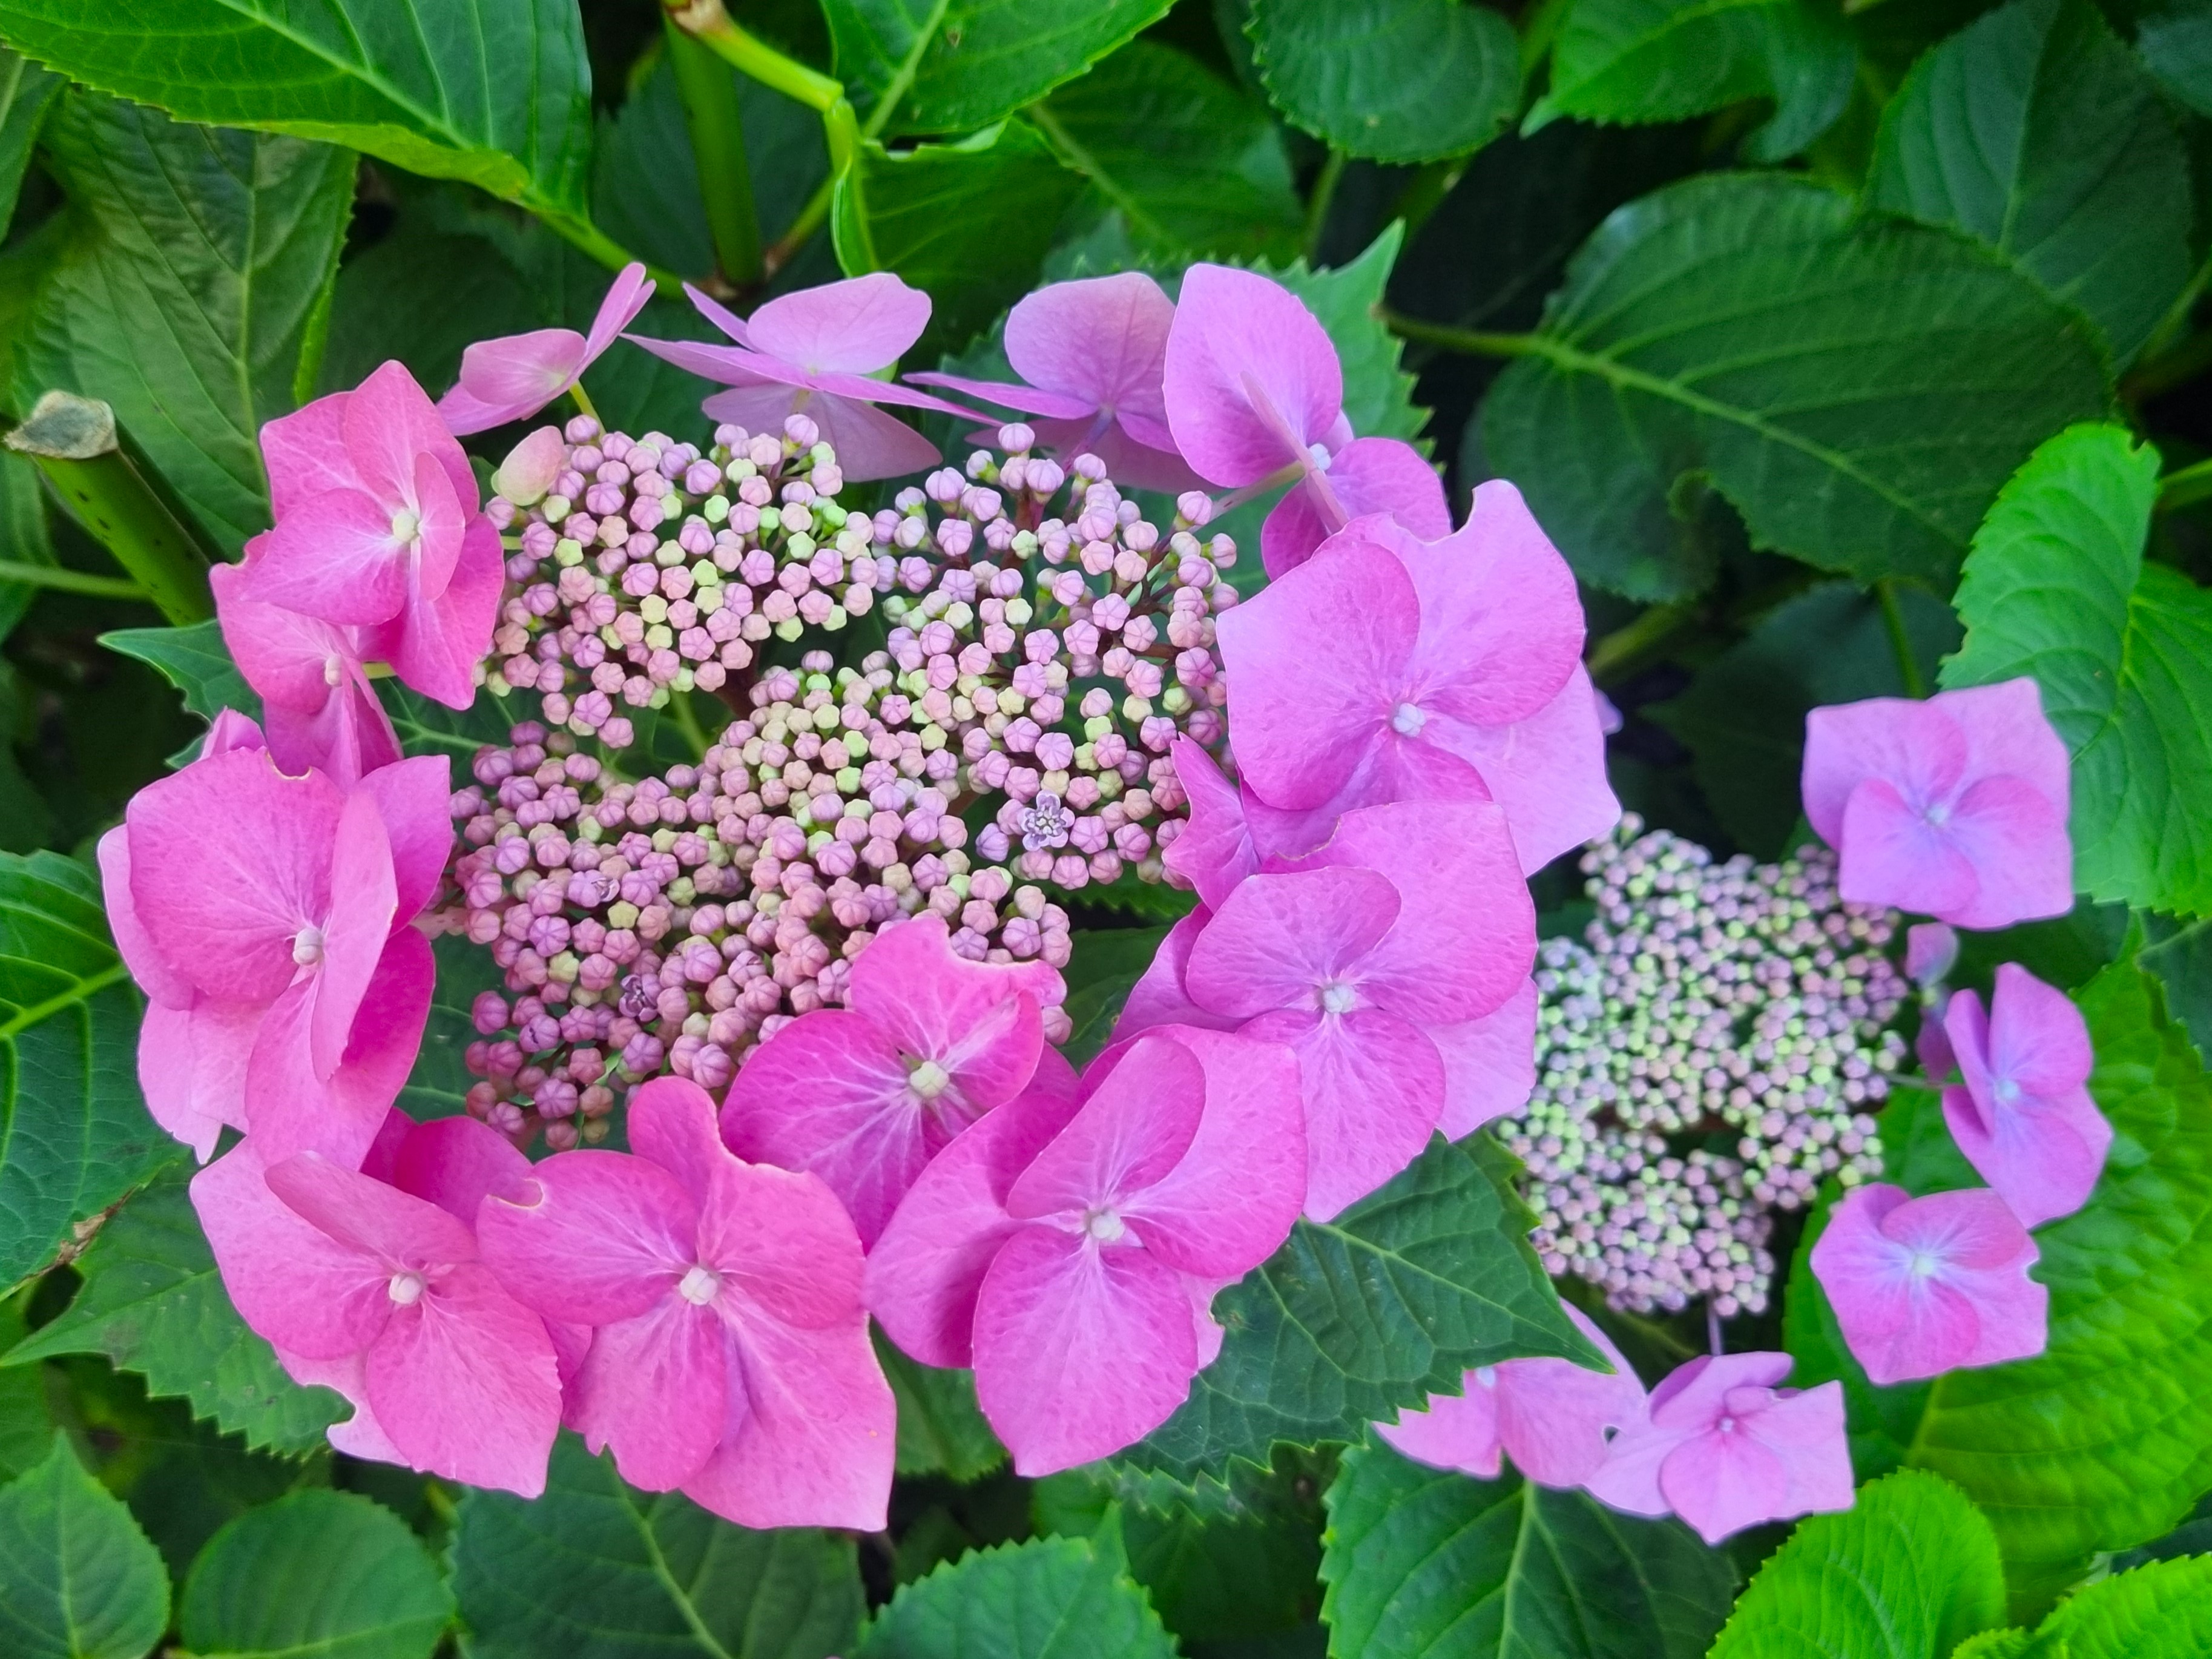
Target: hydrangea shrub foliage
[(1099, 827)]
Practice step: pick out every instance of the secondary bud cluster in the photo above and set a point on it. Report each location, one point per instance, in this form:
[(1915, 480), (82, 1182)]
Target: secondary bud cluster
[(1716, 1045)]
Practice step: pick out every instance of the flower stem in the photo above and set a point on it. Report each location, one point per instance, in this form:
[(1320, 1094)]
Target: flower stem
[(717, 141), (583, 401), (1318, 204), (1473, 341), (1627, 645), (71, 581), (1893, 618), (2186, 488)]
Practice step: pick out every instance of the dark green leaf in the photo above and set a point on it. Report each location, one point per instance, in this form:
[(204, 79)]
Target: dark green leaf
[(1056, 1598), (27, 1417), (26, 90), (153, 1303), (77, 1578), (2035, 129), (494, 92), (1395, 80), (74, 1133), (1424, 1563), (1908, 1572), (1665, 60), (2163, 1611), (1743, 715), (1191, 163), (196, 661), (429, 727), (930, 208), (378, 312), (1100, 974), (2176, 41), (940, 1429), (183, 298), (1858, 390), (1395, 1299), (594, 1569), (951, 65), (2182, 959), (2056, 588), (439, 1084), (23, 538), (323, 1573)]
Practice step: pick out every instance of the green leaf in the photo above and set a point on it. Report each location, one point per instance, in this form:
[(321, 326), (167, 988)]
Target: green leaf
[(74, 1133), (26, 90), (196, 661), (438, 1086), (2176, 41), (2056, 588), (2035, 129), (2162, 1611), (594, 1569), (1995, 1644), (931, 207), (377, 313), (153, 1303), (1378, 394), (78, 1579), (1908, 1572), (1859, 389), (941, 1429), (1666, 60), (1743, 716), (23, 538), (1430, 1561), (1053, 1598), (2182, 960), (1393, 80), (1104, 966), (1395, 1299), (183, 297), (496, 93), (27, 1416), (328, 1574), (1193, 165), (951, 65)]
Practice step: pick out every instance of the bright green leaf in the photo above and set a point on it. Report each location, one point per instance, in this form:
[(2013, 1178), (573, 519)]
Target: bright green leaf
[(326, 1574), (2162, 1611), (194, 261), (2056, 588), (1394, 80), (496, 93), (2035, 129), (153, 1303), (1193, 165), (1859, 389), (1666, 60), (74, 1133), (26, 90), (953, 65), (1053, 1598), (931, 207), (1426, 1563), (78, 1580), (596, 1569), (941, 1429), (1396, 1298), (1908, 1572)]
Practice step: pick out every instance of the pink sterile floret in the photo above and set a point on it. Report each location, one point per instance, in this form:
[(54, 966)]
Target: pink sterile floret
[(377, 528), (1954, 807), (317, 705), (1069, 1246), (1393, 962), (1387, 668), (265, 915), (730, 1353), (1924, 1285), (512, 378), (1724, 1447), (1254, 394), (864, 1095), (1093, 353), (1931, 950), (1550, 1416), (2023, 1116), (814, 351), (379, 1292)]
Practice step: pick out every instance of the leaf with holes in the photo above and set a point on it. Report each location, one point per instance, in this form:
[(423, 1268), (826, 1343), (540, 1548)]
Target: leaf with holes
[(1391, 80), (1859, 389), (78, 1580)]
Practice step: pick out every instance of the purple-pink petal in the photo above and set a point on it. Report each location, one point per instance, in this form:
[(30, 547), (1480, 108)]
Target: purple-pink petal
[(1251, 378)]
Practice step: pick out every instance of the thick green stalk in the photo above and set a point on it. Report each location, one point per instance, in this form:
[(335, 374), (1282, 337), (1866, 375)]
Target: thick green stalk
[(65, 580), (73, 440), (717, 141), (1900, 642)]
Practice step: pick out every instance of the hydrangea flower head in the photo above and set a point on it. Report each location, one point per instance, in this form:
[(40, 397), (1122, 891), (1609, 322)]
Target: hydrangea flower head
[(2022, 1114), (1924, 1285), (1954, 807), (1550, 1416), (1254, 392), (864, 1095), (512, 378), (1070, 1244), (1092, 352), (730, 1354), (381, 1292), (377, 528), (1724, 1447), (317, 703)]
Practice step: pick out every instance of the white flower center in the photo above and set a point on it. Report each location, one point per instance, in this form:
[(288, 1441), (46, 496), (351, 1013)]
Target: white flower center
[(1407, 720), (928, 1079), (700, 1287), (2007, 1091), (1487, 1376), (406, 525), (1726, 1426), (1924, 1264), (1939, 814), (1337, 997), (1103, 1227), (333, 669), (406, 1289), (307, 946), (1317, 457)]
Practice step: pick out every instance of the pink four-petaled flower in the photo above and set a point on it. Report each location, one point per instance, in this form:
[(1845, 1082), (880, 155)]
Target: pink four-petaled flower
[(512, 378), (318, 708), (2023, 1116)]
